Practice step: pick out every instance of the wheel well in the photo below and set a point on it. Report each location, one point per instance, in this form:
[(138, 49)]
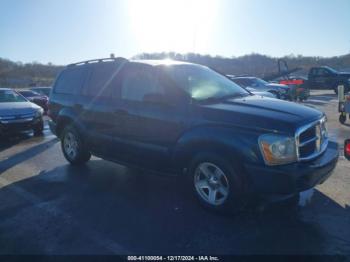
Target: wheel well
[(62, 123), (219, 150)]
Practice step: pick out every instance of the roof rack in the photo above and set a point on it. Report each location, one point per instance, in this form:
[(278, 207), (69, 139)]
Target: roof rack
[(101, 60)]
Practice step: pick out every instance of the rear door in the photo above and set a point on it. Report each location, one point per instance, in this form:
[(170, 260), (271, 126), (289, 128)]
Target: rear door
[(153, 116), (97, 102), (66, 90)]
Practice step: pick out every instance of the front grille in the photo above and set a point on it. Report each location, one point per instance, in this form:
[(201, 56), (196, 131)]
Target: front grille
[(27, 117), (312, 140)]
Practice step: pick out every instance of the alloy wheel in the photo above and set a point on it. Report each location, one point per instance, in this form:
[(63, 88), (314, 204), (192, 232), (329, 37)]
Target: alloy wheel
[(211, 183)]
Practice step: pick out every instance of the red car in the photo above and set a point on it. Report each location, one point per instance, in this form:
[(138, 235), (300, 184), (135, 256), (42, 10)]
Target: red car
[(32, 96)]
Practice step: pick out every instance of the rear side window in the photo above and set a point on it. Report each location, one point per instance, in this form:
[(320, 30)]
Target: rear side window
[(102, 80), (138, 83), (70, 81)]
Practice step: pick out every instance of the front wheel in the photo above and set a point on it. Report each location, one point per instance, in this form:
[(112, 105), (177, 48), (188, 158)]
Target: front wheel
[(38, 129), (215, 183), (73, 147)]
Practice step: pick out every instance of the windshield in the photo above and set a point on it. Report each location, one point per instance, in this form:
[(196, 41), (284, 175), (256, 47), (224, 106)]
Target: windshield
[(10, 96), (331, 69), (260, 81), (28, 93), (203, 83)]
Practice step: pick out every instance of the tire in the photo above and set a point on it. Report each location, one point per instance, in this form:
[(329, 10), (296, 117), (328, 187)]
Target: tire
[(38, 130), (73, 147), (215, 183), (342, 119)]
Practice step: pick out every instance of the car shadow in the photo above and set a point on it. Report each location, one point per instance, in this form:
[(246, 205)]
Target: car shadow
[(325, 97), (147, 214), (315, 103), (26, 154), (7, 141)]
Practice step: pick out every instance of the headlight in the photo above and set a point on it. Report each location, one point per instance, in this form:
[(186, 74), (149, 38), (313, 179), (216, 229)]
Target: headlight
[(277, 149), (39, 112)]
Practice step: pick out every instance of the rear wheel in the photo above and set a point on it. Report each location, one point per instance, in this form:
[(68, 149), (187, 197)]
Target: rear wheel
[(73, 147), (342, 119), (215, 183)]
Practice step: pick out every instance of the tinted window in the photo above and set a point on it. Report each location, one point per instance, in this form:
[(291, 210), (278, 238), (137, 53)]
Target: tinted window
[(70, 80), (101, 82), (138, 83)]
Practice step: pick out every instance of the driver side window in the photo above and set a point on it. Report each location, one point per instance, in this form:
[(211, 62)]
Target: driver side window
[(138, 84)]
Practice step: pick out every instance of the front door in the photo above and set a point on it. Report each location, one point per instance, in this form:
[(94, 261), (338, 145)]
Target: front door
[(153, 121)]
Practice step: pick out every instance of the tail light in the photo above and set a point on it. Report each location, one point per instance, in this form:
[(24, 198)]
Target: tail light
[(347, 149)]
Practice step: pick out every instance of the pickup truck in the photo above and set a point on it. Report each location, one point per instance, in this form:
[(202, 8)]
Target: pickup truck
[(187, 120), (327, 78)]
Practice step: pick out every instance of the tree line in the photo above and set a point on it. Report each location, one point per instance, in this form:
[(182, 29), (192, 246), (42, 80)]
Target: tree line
[(17, 74)]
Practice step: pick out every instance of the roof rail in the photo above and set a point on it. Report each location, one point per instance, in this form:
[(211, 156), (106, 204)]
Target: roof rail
[(101, 60)]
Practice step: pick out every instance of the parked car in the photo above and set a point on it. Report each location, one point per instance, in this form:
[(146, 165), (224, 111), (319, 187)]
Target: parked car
[(39, 99), (18, 114), (280, 91), (187, 120), (260, 93), (325, 77), (299, 89), (42, 90)]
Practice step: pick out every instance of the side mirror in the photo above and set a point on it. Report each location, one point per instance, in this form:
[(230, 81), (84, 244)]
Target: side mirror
[(154, 98), (347, 149)]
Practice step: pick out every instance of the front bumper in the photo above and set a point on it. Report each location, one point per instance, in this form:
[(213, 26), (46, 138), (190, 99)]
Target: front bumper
[(293, 178), (8, 127)]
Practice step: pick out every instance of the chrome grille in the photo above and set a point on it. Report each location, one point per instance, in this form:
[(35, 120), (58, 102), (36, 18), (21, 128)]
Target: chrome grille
[(311, 140)]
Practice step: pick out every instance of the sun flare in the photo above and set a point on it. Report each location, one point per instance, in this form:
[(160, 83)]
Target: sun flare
[(172, 25)]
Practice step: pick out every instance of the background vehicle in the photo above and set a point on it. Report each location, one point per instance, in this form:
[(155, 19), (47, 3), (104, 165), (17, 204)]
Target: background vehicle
[(42, 90), (18, 114), (185, 119), (325, 77), (39, 99), (280, 91), (260, 93)]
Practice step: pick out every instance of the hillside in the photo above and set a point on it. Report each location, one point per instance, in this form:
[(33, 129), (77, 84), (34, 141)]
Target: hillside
[(254, 64), (14, 74)]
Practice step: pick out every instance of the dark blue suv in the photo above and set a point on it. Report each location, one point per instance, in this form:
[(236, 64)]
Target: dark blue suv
[(188, 120)]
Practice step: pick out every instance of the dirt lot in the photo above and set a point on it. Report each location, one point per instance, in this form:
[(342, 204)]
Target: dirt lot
[(49, 207)]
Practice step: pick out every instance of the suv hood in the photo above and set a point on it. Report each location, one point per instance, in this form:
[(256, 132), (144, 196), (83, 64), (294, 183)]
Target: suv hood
[(17, 108), (256, 112)]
